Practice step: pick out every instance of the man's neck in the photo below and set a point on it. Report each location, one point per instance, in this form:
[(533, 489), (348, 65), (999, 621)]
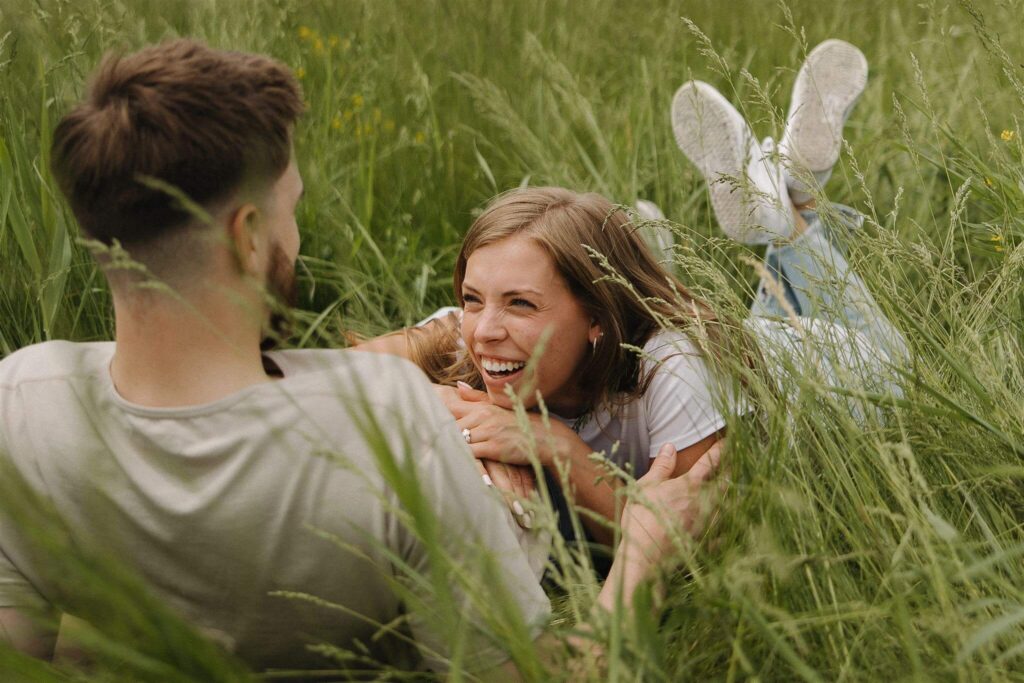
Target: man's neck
[(173, 353)]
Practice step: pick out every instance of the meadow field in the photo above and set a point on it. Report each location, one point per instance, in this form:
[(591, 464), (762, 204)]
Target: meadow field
[(884, 549)]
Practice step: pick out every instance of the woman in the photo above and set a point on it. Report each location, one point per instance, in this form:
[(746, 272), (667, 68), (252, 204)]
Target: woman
[(561, 302)]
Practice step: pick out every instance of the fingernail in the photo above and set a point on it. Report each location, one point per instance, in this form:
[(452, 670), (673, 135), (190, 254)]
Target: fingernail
[(487, 480), (463, 385), (517, 508), (526, 520)]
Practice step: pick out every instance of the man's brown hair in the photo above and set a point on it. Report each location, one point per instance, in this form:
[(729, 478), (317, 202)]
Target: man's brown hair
[(200, 120)]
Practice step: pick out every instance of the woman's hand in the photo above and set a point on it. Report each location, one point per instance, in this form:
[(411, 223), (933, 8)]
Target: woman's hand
[(494, 433), (516, 484)]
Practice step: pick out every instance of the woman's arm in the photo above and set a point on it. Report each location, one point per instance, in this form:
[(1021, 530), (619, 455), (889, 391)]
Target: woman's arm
[(495, 434), (392, 343), (598, 493), (432, 344)]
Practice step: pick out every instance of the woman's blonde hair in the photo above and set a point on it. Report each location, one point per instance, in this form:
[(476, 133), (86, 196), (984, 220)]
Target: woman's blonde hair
[(608, 267)]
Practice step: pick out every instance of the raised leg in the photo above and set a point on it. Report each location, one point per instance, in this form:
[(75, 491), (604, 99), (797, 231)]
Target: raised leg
[(815, 280)]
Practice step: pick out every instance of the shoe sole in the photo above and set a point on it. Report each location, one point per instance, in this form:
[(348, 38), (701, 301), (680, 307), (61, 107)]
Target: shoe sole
[(828, 86), (712, 135)]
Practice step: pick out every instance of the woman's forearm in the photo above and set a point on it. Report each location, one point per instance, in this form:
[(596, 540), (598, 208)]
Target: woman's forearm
[(585, 480), (393, 343)]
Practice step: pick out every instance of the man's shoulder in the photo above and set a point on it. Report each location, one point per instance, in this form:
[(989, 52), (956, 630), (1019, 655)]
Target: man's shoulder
[(53, 360), (383, 368), (378, 378)]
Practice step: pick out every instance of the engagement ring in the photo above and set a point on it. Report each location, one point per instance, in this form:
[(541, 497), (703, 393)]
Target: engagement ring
[(466, 435)]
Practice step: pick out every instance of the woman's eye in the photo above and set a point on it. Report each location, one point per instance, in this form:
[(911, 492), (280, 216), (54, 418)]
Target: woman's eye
[(523, 303), (470, 299)]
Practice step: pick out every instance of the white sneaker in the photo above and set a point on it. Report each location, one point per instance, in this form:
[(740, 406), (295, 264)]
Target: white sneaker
[(748, 192), (827, 87)]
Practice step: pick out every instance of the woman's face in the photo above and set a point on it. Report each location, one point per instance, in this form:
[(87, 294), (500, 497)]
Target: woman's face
[(513, 296)]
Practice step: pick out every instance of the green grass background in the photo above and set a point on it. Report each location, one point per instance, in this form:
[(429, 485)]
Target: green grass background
[(845, 551)]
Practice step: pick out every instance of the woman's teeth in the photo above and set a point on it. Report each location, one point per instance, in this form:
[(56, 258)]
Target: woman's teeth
[(501, 367)]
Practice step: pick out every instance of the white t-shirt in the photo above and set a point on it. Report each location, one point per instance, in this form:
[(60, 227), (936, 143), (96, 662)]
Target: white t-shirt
[(682, 405), (686, 402), (214, 506)]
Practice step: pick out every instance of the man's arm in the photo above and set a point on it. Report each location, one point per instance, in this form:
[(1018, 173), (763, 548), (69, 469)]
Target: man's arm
[(25, 635), (667, 507)]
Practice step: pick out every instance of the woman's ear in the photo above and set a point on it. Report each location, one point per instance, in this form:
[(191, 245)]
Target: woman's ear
[(243, 234), (595, 331)]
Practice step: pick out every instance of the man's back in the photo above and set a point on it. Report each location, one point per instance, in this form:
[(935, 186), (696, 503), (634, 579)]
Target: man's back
[(215, 506)]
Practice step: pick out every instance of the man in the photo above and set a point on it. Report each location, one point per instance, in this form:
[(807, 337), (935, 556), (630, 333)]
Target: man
[(223, 476)]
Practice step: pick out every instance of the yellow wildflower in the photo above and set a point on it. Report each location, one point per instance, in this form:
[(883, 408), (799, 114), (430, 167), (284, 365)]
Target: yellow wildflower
[(420, 137), (1007, 135), (333, 41), (988, 181), (336, 123), (377, 115), (357, 101), (996, 238), (347, 114), (318, 45), (999, 249), (367, 129), (346, 45), (389, 126), (300, 73), (305, 33)]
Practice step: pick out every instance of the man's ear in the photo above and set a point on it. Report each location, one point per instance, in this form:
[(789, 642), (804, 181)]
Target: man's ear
[(243, 237)]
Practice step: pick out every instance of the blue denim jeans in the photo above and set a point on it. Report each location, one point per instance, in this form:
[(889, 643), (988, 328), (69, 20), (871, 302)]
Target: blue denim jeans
[(816, 282)]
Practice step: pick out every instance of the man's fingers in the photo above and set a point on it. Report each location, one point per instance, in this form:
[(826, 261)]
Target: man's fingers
[(707, 464), (662, 467)]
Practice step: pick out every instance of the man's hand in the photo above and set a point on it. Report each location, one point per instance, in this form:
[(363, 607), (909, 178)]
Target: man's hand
[(664, 508), (22, 633)]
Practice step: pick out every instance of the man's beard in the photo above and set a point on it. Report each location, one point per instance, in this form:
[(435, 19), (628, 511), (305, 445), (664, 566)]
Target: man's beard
[(283, 291)]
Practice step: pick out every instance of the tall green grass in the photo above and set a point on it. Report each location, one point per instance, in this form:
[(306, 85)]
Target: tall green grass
[(844, 550)]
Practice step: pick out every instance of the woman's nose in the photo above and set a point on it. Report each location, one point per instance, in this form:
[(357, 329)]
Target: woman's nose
[(489, 325)]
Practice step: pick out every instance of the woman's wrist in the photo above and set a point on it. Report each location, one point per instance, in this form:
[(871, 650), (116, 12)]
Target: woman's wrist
[(555, 441)]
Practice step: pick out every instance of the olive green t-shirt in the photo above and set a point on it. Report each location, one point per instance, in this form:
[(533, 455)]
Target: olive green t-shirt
[(329, 482)]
